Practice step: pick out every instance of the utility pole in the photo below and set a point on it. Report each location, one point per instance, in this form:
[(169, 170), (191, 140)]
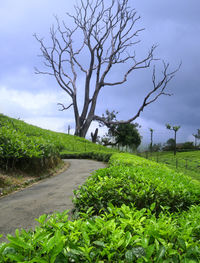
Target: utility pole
[(68, 129)]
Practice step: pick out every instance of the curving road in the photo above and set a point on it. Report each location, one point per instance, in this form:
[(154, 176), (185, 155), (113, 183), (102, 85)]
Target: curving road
[(18, 210)]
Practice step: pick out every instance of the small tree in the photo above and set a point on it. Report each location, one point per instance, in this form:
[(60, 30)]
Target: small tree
[(197, 137), (169, 145), (109, 116), (123, 134), (127, 135), (151, 143), (175, 129), (156, 147)]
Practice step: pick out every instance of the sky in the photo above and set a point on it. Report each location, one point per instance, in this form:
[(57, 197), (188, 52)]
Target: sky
[(172, 25)]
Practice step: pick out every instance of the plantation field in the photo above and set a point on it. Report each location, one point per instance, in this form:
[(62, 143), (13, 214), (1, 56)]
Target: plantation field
[(186, 162), (53, 142), (19, 140), (29, 153), (135, 210)]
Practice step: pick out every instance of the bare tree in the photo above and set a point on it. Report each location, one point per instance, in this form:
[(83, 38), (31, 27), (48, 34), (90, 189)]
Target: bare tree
[(107, 35)]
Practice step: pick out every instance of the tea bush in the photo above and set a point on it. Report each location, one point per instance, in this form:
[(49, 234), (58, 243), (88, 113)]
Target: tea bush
[(17, 150), (134, 180), (21, 143), (95, 155), (122, 234)]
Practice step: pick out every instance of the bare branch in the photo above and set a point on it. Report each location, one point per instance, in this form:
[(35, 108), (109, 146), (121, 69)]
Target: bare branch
[(157, 91), (37, 71), (63, 107)]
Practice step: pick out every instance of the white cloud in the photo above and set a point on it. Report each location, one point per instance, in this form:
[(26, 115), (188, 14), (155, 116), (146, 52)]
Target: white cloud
[(24, 103), (51, 123), (38, 109), (26, 100)]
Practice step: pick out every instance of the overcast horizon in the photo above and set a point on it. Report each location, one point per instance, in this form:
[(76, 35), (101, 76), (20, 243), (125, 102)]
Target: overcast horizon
[(174, 26)]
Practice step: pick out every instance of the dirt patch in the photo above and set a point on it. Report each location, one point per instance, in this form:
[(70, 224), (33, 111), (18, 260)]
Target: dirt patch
[(16, 181)]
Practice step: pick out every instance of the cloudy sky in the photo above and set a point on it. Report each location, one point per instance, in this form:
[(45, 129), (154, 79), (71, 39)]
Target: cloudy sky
[(173, 25)]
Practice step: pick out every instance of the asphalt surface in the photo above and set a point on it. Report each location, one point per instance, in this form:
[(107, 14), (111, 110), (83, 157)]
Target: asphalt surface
[(19, 209)]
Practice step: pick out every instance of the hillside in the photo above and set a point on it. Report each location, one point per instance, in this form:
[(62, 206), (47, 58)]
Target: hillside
[(27, 150), (21, 140)]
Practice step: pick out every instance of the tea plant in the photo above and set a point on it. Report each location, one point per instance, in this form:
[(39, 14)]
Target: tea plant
[(23, 143), (122, 234), (135, 210), (134, 180)]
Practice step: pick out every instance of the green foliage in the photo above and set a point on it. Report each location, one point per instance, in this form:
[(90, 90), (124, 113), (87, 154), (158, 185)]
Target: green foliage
[(170, 144), (156, 147), (174, 128), (188, 145), (96, 155), (135, 210), (123, 234), (22, 143), (131, 179), (185, 162), (18, 140), (127, 134), (123, 134)]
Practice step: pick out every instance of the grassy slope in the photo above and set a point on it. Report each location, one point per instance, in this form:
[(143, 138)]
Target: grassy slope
[(67, 143), (23, 147), (185, 162)]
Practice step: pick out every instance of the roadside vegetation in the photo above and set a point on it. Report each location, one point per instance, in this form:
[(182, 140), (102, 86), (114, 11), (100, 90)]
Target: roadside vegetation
[(29, 153), (133, 211)]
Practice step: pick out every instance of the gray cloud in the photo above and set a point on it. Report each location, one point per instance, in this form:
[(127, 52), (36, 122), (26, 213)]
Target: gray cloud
[(174, 25)]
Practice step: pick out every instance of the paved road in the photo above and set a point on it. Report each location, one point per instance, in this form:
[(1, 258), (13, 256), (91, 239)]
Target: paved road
[(18, 210)]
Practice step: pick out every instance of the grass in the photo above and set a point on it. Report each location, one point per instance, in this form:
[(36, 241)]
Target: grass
[(185, 162), (64, 142)]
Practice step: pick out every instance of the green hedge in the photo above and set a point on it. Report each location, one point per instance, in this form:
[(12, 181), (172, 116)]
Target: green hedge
[(123, 234), (131, 179), (95, 155), (20, 150), (20, 141)]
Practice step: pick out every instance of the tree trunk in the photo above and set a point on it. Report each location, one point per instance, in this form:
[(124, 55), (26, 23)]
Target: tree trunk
[(94, 135), (175, 143), (82, 127)]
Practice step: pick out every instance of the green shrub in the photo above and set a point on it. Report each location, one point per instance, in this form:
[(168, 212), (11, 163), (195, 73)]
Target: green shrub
[(20, 141), (121, 235), (95, 155), (137, 182)]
